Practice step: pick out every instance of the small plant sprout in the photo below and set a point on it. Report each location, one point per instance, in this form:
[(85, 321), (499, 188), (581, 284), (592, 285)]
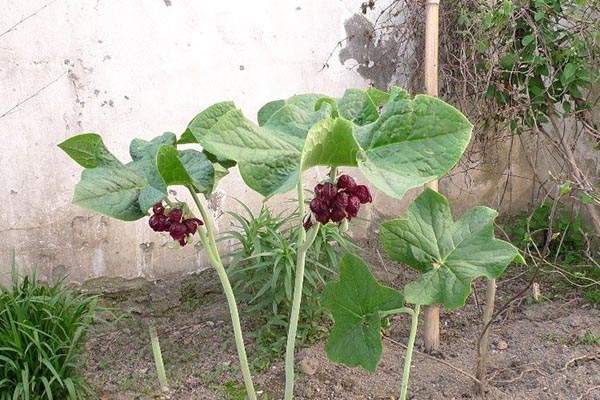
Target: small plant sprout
[(396, 142)]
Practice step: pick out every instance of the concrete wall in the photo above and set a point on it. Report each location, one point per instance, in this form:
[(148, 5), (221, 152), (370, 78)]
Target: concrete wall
[(130, 69), (138, 68)]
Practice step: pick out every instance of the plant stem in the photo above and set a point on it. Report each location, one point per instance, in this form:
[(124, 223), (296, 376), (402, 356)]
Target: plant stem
[(207, 223), (303, 245), (387, 313), (332, 174), (158, 360), (409, 351), (208, 240)]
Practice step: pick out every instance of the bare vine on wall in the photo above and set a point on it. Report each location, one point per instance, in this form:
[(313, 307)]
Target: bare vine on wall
[(519, 69)]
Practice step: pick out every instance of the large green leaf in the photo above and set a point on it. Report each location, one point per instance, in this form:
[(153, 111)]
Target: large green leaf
[(144, 155), (155, 189), (450, 254), (189, 168), (410, 143), (139, 149), (297, 115), (112, 191), (268, 110), (413, 142), (330, 142), (269, 163), (204, 121), (89, 151), (356, 302), (357, 106)]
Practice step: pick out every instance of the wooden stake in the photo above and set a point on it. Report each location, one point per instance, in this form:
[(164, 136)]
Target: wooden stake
[(432, 313), (484, 342)]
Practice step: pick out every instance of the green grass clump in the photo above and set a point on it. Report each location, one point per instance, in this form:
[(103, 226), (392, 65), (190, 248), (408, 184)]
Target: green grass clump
[(42, 329), (263, 266)]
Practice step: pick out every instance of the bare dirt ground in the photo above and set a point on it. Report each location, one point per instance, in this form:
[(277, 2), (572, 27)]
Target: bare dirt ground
[(542, 351)]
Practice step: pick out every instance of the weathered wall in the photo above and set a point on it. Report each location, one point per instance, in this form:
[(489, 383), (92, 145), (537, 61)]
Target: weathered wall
[(136, 69), (139, 68)]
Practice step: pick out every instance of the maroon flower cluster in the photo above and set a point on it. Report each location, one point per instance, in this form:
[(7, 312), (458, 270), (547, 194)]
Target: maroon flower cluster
[(172, 221), (336, 202)]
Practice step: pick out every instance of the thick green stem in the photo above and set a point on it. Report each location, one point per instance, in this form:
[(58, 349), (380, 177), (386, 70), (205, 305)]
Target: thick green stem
[(208, 240), (409, 351), (303, 245), (207, 223)]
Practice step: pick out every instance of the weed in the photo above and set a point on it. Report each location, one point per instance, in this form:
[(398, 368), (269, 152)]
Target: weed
[(555, 338), (589, 339), (557, 238), (233, 390), (263, 266)]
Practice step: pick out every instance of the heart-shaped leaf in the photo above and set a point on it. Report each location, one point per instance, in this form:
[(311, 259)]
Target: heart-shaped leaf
[(357, 106), (89, 151), (204, 121), (450, 254), (112, 191), (413, 142), (356, 302)]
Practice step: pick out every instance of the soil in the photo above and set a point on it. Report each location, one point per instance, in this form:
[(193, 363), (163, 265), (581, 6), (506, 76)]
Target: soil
[(545, 351)]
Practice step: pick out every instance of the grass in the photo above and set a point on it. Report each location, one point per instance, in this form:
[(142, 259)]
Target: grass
[(42, 333), (589, 339)]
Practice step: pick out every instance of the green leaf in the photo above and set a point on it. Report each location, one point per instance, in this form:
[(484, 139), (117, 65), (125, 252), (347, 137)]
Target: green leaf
[(413, 142), (330, 142), (111, 191), (139, 148), (378, 97), (298, 115), (200, 169), (357, 106), (527, 39), (508, 61), (450, 254), (155, 189), (268, 110), (204, 121), (189, 168), (569, 72), (144, 155), (355, 303), (89, 151)]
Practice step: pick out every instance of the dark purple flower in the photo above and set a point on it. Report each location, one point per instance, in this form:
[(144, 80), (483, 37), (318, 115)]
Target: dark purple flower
[(363, 194), (178, 230), (326, 191), (158, 208), (175, 215), (338, 214), (192, 225), (323, 217), (341, 201), (307, 223), (346, 182), (353, 206)]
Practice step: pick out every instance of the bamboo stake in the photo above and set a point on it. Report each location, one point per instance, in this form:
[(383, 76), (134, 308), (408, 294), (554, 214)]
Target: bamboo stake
[(432, 313), (484, 341)]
